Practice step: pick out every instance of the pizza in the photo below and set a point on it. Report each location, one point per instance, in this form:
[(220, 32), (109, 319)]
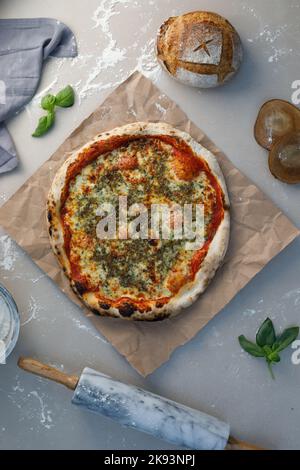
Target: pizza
[(127, 272)]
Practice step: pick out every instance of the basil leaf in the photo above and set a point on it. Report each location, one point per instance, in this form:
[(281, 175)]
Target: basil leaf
[(285, 339), (274, 357), (44, 124), (266, 334), (48, 102), (65, 98), (267, 350), (251, 348)]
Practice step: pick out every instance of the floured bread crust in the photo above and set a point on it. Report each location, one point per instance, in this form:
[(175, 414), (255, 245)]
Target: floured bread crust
[(200, 49), (134, 280)]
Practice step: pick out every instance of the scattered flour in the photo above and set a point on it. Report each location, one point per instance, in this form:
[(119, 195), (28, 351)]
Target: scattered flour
[(93, 77), (280, 311), (250, 11), (105, 11), (45, 413), (36, 279), (18, 387), (81, 60), (88, 329), (293, 295), (80, 325), (8, 253), (271, 36), (111, 54), (28, 409), (249, 312), (32, 311), (3, 198), (147, 62), (131, 112), (110, 57), (160, 108), (278, 53)]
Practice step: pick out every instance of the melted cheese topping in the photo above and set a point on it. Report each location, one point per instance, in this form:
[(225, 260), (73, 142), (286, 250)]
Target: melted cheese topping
[(147, 170)]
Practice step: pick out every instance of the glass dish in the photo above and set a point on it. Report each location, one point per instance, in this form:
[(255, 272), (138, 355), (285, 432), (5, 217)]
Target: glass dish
[(9, 324)]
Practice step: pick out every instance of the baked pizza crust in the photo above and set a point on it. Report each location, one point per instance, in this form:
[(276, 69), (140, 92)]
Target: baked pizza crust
[(215, 254)]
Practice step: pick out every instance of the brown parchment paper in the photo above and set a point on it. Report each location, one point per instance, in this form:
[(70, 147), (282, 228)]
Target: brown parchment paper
[(259, 229)]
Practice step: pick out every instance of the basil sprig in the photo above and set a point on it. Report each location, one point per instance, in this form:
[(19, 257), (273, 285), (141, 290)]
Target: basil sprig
[(64, 99), (267, 345)]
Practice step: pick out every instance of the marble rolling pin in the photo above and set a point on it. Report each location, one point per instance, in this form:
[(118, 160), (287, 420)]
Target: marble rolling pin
[(141, 410)]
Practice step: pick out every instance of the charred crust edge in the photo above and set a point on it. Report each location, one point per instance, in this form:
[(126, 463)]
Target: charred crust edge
[(79, 287), (104, 306), (126, 310), (49, 216)]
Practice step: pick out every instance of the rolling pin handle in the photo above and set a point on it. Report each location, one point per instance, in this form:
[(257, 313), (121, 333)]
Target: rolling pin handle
[(236, 444), (48, 372)]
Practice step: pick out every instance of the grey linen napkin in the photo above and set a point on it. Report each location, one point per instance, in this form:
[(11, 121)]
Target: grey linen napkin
[(24, 45)]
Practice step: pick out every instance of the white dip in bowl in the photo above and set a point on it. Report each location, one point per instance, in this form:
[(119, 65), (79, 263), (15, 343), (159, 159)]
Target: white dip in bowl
[(9, 324)]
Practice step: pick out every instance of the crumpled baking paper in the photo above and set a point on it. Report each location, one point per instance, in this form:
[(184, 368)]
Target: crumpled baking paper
[(259, 230)]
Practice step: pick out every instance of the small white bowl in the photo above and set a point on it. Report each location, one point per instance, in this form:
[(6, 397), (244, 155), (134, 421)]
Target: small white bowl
[(9, 324)]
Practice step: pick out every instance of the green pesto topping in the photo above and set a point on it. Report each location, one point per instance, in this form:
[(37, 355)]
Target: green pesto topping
[(138, 265)]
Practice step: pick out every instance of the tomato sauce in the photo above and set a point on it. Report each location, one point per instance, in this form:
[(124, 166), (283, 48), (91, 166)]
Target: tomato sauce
[(187, 164)]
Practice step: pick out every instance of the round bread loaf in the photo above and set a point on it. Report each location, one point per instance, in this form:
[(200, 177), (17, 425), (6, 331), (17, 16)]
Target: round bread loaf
[(200, 48)]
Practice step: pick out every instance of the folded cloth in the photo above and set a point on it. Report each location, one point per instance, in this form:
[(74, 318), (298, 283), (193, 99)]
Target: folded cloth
[(24, 45)]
